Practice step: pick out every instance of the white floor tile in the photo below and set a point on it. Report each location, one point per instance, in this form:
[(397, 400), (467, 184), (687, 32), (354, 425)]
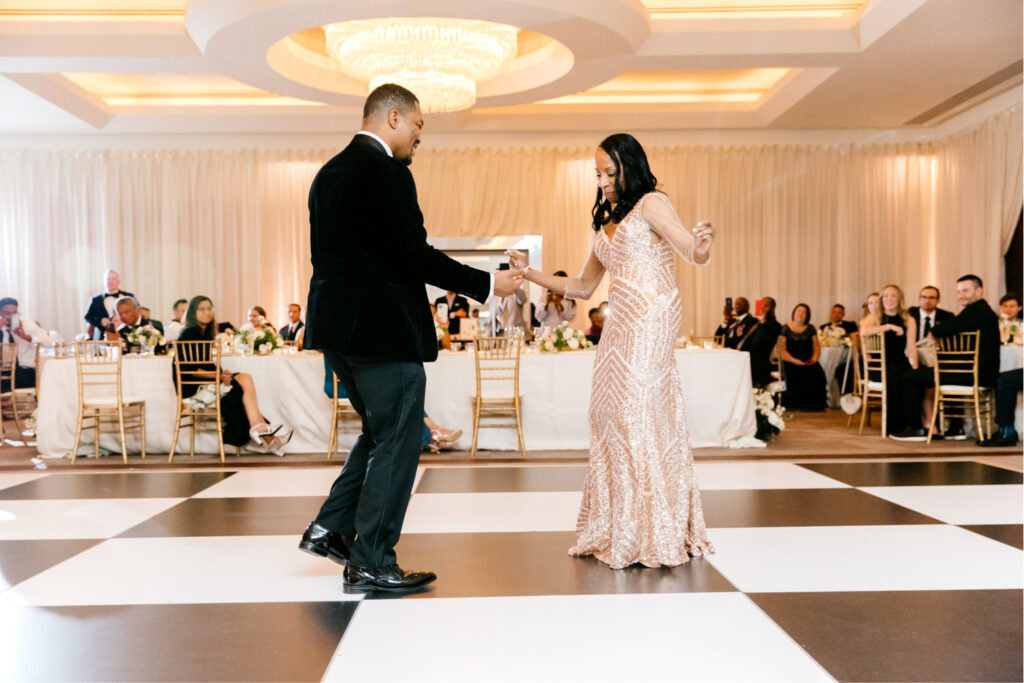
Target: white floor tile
[(863, 558), (999, 504), (9, 479), (699, 637), (761, 475), (486, 512), (76, 518), (210, 569), (303, 481)]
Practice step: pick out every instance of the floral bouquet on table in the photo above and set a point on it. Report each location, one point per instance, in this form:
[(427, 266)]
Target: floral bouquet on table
[(266, 341), (833, 335), (146, 337), (564, 338), (771, 416), (241, 341), (1009, 330)]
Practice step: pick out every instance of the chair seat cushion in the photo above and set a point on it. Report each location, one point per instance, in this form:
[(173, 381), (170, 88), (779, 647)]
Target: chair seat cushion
[(874, 386), (958, 389)]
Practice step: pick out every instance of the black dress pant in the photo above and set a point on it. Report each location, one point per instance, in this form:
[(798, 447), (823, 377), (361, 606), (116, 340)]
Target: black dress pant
[(369, 498), (1009, 385)]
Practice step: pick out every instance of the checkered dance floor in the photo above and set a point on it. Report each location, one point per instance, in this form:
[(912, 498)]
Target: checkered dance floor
[(850, 571)]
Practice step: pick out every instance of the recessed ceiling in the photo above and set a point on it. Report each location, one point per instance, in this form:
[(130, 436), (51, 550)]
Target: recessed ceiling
[(228, 66)]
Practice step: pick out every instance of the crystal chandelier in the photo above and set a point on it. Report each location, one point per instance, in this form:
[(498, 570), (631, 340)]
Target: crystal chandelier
[(440, 60)]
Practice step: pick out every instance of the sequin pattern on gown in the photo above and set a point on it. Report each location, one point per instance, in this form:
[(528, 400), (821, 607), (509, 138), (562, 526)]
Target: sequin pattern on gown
[(641, 503)]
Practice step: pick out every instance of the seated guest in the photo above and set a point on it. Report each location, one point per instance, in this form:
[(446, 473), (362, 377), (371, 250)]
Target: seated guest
[(927, 313), (871, 314), (458, 308), (127, 318), (26, 334), (1009, 384), (900, 331), (596, 325), (175, 326), (1009, 306), (742, 325), (761, 342), (145, 313), (257, 320), (799, 348), (101, 309), (553, 309), (976, 315), (836, 319), (243, 423), (293, 331), (728, 317)]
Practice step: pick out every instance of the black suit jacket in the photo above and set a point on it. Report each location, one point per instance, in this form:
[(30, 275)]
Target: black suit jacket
[(737, 333), (941, 315), (291, 332), (459, 303), (371, 259), (96, 312), (977, 316)]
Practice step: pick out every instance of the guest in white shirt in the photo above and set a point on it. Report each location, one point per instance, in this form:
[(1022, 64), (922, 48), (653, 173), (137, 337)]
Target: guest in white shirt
[(26, 334), (175, 326), (295, 329), (927, 313), (553, 309)]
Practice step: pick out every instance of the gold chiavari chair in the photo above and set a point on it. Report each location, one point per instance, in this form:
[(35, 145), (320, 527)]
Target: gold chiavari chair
[(21, 401), (99, 365), (956, 359), (855, 365), (874, 392), (197, 364), (341, 412), (497, 365)]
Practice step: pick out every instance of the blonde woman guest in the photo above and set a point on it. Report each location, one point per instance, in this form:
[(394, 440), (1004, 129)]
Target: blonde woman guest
[(900, 330), (869, 322)]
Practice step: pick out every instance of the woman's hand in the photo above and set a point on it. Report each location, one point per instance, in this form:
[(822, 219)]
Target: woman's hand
[(226, 376), (518, 259), (895, 329), (703, 237)]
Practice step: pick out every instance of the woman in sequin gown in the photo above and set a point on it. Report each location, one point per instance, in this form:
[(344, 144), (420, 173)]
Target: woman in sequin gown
[(641, 503)]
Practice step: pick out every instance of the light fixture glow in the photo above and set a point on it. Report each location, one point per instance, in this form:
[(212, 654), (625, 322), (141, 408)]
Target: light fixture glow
[(440, 60)]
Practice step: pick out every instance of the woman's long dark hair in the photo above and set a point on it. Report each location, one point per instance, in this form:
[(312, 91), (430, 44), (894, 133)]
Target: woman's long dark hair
[(630, 161), (191, 321)]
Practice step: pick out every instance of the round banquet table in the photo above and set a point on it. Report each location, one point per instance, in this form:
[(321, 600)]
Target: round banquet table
[(555, 389)]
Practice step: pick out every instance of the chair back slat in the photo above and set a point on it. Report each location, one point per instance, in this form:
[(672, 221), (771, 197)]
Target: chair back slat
[(98, 364), (872, 353), (193, 357), (956, 357), (8, 362), (497, 361)]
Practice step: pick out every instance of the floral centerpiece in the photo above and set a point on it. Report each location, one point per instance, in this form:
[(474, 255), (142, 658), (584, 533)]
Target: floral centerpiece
[(147, 337), (771, 416), (1009, 330), (241, 341), (267, 341), (833, 335), (564, 338)]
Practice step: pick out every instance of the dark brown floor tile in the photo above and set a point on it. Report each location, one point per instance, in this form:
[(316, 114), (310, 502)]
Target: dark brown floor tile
[(219, 642), (948, 473), (114, 485), (501, 479), (231, 517), (1010, 534), (803, 507), (20, 560), (506, 564), (972, 635)]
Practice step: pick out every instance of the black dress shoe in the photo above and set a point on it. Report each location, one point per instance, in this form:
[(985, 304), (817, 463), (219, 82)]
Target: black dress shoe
[(318, 540), (911, 434), (390, 579), (998, 440), (955, 433)]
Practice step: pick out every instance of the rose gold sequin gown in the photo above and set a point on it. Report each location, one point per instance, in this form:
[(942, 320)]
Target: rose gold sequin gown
[(641, 503)]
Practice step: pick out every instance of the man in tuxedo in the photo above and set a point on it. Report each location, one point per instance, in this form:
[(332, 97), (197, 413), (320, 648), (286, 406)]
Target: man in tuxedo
[(836, 319), (101, 308), (1009, 306), (743, 324), (368, 312), (127, 318), (976, 315), (293, 330), (458, 308), (927, 313)]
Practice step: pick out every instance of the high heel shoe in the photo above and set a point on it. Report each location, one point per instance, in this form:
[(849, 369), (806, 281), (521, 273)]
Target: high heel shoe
[(279, 442), (433, 446), (445, 435)]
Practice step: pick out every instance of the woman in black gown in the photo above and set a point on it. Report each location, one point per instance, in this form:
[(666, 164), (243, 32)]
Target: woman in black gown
[(900, 331), (243, 423), (799, 348)]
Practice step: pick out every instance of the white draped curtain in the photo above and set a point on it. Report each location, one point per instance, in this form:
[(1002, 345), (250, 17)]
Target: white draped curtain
[(810, 223)]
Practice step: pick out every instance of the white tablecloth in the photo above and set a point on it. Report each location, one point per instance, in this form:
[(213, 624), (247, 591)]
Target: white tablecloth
[(833, 362), (555, 388)]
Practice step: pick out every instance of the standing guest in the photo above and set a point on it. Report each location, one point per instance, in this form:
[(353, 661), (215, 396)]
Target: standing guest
[(836, 319), (458, 308), (1009, 306), (101, 309), (900, 334), (763, 339), (871, 313), (257, 320), (976, 315), (243, 424), (742, 325), (799, 348), (596, 325), (927, 313), (146, 314), (26, 334), (728, 318), (293, 331), (554, 309), (175, 326)]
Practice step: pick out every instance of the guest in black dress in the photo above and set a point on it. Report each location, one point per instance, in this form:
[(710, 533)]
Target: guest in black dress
[(799, 347), (762, 340), (240, 412), (900, 330)]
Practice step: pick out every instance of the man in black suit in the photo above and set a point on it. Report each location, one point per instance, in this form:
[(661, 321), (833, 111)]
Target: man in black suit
[(101, 308), (293, 330), (836, 319), (127, 318), (976, 315), (927, 313), (368, 312), (148, 315), (458, 308), (739, 330)]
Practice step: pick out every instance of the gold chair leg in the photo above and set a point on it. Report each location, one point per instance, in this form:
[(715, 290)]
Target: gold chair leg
[(476, 427), (78, 437), (220, 442), (174, 439), (142, 429), (192, 438), (977, 415), (519, 428), (863, 414), (935, 415), (96, 439), (120, 427), (332, 440)]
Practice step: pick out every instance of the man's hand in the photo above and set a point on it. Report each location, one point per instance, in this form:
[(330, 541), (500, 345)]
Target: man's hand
[(506, 282), (104, 322)]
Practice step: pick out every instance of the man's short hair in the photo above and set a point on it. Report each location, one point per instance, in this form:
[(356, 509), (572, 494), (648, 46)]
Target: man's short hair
[(933, 287), (295, 305), (386, 97), (839, 306), (593, 311), (179, 302), (973, 278), (8, 301), (1009, 296), (126, 300)]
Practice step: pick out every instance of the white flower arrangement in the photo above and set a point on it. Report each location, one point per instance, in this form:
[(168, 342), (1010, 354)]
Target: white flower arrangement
[(267, 341), (833, 335), (771, 416), (564, 338), (1009, 330), (147, 335)]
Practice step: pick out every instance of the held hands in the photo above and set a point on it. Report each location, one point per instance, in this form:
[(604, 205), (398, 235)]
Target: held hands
[(518, 259), (506, 282), (703, 237)]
